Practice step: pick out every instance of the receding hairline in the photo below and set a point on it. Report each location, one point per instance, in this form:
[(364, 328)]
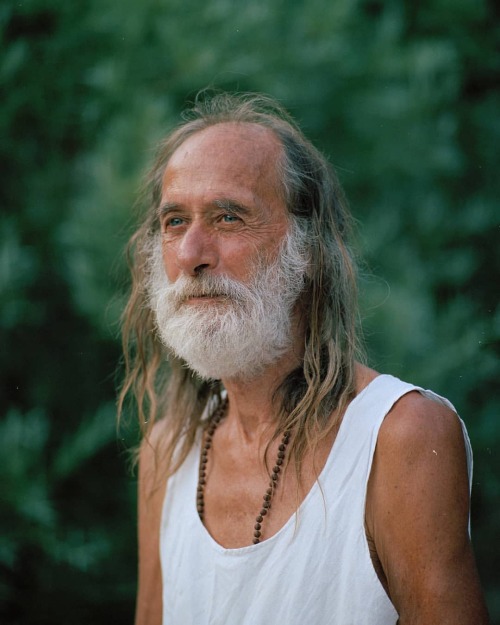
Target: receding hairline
[(274, 145), (244, 128)]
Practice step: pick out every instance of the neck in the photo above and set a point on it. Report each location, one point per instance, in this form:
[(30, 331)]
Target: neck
[(253, 408)]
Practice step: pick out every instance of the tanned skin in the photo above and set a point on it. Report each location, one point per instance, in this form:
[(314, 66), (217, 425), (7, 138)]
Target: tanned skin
[(418, 497)]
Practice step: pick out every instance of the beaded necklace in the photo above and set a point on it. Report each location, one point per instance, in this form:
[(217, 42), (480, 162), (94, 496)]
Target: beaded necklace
[(213, 422)]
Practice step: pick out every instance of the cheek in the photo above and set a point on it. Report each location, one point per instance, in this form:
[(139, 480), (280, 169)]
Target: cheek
[(169, 264), (238, 259)]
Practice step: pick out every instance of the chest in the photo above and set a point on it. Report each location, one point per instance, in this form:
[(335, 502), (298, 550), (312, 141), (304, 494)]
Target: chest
[(319, 563), (241, 500)]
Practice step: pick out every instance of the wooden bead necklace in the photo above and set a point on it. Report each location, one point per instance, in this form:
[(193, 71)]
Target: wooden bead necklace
[(213, 422)]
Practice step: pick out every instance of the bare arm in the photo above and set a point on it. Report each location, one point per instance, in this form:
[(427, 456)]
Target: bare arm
[(150, 500), (417, 515)]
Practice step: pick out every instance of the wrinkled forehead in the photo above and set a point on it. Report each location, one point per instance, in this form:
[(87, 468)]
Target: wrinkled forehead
[(242, 151), (250, 138)]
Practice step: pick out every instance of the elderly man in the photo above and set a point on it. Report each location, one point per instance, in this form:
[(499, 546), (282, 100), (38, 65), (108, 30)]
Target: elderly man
[(280, 480)]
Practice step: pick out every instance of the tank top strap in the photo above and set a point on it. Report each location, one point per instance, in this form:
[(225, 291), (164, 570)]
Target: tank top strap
[(365, 415), (363, 418)]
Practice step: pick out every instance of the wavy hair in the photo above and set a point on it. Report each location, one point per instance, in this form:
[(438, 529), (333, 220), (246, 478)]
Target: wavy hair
[(163, 386)]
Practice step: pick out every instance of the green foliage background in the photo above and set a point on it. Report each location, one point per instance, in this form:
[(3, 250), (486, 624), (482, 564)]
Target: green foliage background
[(403, 96)]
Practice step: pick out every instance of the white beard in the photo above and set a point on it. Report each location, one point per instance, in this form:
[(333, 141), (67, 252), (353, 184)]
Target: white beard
[(243, 332)]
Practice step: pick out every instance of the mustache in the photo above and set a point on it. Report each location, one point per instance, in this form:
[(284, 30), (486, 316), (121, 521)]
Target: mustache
[(186, 287)]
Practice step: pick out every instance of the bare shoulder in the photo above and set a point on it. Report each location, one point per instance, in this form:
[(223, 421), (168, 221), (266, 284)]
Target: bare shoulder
[(151, 456), (158, 433), (151, 493), (152, 474), (419, 472), (417, 514), (418, 425)]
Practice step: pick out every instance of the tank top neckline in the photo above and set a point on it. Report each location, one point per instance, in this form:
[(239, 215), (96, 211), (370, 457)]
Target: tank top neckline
[(267, 543)]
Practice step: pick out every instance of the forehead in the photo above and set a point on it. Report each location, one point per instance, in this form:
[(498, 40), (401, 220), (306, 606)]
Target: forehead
[(232, 154)]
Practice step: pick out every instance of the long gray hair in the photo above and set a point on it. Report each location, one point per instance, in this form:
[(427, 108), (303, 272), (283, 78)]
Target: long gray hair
[(163, 386)]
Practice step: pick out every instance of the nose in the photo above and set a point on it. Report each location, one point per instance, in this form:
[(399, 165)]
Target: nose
[(197, 250)]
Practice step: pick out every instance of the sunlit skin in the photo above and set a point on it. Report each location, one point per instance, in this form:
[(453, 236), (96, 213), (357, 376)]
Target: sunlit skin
[(221, 210)]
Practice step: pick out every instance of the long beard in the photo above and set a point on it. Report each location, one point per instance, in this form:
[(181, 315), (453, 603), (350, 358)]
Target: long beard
[(246, 329)]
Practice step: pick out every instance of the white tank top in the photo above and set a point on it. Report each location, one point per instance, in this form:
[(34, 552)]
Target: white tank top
[(316, 569)]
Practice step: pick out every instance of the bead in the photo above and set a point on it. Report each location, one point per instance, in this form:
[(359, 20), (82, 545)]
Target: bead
[(210, 428)]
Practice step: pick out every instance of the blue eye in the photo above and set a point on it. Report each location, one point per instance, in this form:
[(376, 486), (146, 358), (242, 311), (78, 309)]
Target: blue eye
[(175, 221), (229, 219)]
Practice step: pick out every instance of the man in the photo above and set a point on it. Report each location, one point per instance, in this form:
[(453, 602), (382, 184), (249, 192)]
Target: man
[(280, 480)]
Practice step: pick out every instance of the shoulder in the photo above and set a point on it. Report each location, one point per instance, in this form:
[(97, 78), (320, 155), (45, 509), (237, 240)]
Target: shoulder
[(152, 464), (152, 486), (418, 426), (421, 456), (151, 458), (154, 439), (151, 489), (415, 420), (420, 463), (417, 513)]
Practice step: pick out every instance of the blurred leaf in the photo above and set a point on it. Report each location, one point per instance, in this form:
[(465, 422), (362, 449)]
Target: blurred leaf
[(92, 435)]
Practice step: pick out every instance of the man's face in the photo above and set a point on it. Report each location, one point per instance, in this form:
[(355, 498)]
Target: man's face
[(222, 206), (231, 265)]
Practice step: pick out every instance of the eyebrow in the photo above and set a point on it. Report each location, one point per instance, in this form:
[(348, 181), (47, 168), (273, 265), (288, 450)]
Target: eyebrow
[(166, 208), (224, 203), (231, 206)]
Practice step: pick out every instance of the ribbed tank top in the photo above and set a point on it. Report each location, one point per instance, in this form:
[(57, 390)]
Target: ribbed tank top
[(316, 569)]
